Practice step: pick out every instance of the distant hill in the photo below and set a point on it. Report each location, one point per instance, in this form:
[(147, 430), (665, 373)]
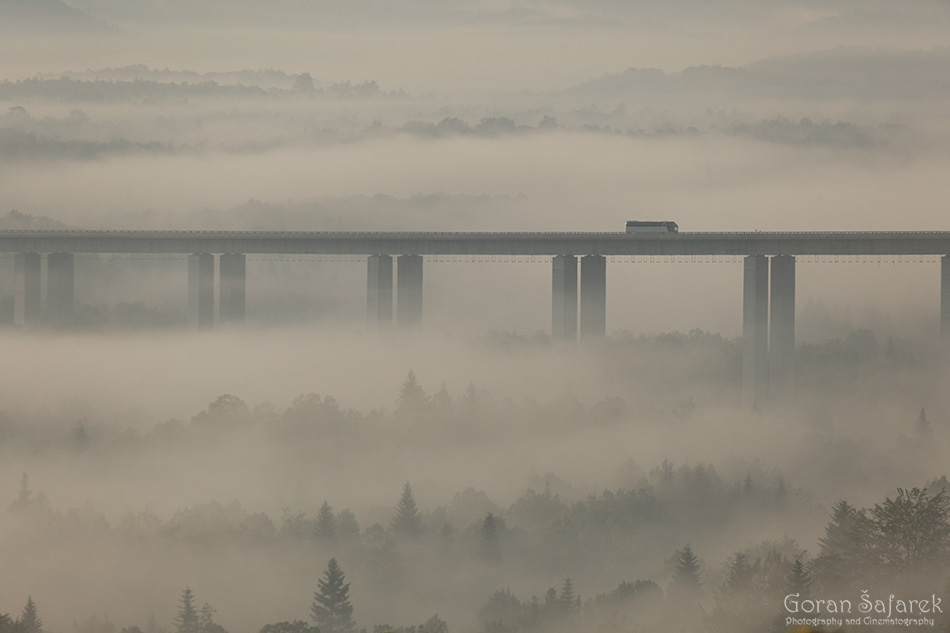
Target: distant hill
[(14, 220), (39, 16), (856, 72)]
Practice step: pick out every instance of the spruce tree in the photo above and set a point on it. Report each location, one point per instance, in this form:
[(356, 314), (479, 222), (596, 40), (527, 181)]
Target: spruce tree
[(406, 521), (844, 535), (488, 545), (331, 609), (686, 576), (412, 397), (798, 580), (567, 599), (847, 551), (30, 622), (922, 426), (442, 401), (187, 620), (324, 528), (741, 575)]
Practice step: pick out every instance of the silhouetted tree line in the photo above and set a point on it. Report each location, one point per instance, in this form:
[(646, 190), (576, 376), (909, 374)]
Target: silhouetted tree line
[(153, 91), (902, 540), (899, 544)]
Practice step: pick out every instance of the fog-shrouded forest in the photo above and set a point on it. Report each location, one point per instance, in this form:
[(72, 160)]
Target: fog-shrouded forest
[(308, 472)]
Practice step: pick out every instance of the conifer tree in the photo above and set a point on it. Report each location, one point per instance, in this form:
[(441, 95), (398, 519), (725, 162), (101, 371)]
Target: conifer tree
[(442, 400), (567, 599), (922, 426), (187, 620), (846, 553), (686, 576), (324, 528), (406, 521), (412, 397), (331, 608), (741, 575), (843, 534), (798, 580), (488, 545), (30, 622)]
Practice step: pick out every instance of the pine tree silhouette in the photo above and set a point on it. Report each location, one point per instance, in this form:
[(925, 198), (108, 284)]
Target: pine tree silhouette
[(406, 521), (331, 608), (324, 528), (187, 620), (798, 580), (686, 577), (30, 622)]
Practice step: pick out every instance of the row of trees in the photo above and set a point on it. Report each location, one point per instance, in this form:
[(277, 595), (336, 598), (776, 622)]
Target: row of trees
[(901, 545)]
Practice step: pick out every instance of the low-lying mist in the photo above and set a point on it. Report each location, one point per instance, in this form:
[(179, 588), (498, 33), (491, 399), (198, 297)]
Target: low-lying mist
[(470, 476), (171, 460)]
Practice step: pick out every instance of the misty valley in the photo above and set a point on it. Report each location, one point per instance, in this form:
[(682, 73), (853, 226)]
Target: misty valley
[(222, 437), (472, 510)]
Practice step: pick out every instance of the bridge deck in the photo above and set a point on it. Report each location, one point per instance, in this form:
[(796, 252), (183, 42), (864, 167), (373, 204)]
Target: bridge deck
[(356, 243)]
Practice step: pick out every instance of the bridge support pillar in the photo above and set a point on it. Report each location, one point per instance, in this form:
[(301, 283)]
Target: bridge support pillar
[(232, 287), (755, 331), (564, 299), (782, 329), (409, 291), (379, 291), (945, 328), (945, 298), (60, 287), (593, 297), (200, 291), (26, 300)]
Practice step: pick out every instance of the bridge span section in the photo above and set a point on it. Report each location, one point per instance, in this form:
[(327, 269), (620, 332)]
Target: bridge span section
[(511, 243), (578, 275)]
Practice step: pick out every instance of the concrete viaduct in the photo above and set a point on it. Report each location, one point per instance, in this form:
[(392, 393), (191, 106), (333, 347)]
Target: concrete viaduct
[(578, 262)]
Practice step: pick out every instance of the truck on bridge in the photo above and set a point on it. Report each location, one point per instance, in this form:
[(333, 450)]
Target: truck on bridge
[(641, 226)]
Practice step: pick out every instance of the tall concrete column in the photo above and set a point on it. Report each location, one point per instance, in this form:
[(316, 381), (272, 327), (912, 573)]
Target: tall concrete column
[(409, 291), (564, 299), (944, 345), (945, 298), (26, 301), (593, 296), (201, 291), (782, 329), (232, 284), (755, 331), (379, 290), (60, 287)]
